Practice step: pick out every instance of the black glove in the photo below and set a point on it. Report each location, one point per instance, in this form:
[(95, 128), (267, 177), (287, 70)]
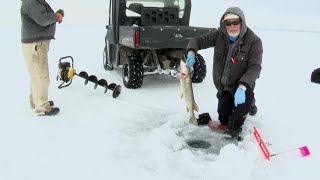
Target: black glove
[(204, 119), (60, 11)]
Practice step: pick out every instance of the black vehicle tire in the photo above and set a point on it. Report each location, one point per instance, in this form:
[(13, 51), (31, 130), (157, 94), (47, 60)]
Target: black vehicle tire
[(107, 65), (199, 69), (132, 72)]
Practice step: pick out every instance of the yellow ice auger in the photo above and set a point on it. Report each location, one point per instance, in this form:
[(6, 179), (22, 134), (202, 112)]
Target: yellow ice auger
[(67, 72)]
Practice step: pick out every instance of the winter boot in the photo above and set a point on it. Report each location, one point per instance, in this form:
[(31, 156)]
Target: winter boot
[(234, 133), (51, 103), (235, 122), (52, 112)]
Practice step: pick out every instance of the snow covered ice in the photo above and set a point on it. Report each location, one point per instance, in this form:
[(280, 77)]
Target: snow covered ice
[(142, 134)]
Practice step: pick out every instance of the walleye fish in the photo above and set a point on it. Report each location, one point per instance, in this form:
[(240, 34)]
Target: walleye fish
[(187, 91)]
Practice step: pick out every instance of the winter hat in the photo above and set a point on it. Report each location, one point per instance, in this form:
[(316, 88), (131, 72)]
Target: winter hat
[(230, 16)]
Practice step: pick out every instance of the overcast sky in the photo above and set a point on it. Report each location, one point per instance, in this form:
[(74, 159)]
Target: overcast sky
[(80, 12)]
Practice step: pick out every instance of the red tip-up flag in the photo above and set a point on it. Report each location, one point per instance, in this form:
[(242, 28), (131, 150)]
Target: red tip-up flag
[(261, 143), (304, 151)]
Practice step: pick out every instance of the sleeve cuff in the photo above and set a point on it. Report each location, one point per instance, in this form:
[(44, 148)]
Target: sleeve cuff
[(193, 50), (245, 85)]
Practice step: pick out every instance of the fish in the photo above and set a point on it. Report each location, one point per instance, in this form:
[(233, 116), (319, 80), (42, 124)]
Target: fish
[(187, 91)]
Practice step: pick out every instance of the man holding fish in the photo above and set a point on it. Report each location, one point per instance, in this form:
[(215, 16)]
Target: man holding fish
[(236, 66)]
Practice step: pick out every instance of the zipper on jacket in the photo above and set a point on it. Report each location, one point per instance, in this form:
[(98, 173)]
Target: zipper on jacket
[(227, 46)]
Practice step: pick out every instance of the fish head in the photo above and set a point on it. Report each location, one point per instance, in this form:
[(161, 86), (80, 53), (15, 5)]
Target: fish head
[(185, 71)]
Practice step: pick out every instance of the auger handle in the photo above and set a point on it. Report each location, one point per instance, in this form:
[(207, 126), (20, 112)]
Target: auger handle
[(66, 57)]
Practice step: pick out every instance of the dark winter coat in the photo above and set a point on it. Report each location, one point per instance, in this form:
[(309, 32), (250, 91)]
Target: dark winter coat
[(246, 51), (38, 21)]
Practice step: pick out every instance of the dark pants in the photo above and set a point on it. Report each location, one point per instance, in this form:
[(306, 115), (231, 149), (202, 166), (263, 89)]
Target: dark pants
[(230, 115)]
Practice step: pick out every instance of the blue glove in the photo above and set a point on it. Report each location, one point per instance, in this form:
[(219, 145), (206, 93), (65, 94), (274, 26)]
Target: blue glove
[(190, 59), (239, 97)]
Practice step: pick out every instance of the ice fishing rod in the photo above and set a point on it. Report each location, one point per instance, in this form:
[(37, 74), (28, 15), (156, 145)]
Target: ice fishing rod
[(67, 72)]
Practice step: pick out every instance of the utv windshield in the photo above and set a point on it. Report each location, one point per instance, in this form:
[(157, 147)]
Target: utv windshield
[(134, 6)]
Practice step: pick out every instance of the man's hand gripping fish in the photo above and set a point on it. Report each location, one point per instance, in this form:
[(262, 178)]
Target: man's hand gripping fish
[(187, 91)]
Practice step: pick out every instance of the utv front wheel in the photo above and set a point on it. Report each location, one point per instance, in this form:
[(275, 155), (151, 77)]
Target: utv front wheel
[(132, 72), (199, 69)]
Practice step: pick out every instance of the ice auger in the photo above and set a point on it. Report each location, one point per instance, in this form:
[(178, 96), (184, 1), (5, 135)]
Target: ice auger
[(67, 72)]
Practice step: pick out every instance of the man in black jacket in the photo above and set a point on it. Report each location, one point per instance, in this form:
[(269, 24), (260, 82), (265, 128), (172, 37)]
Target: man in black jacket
[(37, 29), (237, 65)]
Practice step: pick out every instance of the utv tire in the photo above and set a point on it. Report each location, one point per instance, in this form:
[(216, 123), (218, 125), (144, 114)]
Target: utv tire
[(107, 65), (132, 72), (199, 69)]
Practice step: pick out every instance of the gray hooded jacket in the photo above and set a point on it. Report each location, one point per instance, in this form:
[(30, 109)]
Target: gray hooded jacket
[(38, 21), (246, 51)]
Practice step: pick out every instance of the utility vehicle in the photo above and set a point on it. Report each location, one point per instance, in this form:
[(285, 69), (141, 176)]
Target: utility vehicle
[(150, 36)]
